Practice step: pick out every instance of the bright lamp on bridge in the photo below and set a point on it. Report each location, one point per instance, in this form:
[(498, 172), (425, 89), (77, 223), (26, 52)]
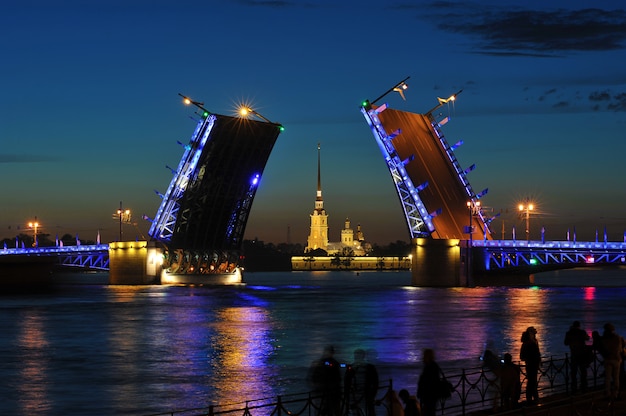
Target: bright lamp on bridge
[(189, 101), (525, 209), (34, 226)]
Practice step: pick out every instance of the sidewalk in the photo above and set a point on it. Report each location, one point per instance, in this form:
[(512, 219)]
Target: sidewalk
[(593, 403)]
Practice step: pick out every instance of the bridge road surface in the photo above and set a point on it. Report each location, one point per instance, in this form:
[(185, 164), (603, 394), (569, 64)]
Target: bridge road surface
[(431, 164)]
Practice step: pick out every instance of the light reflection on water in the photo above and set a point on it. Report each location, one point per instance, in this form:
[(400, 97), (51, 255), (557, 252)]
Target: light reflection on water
[(32, 380), (140, 350)]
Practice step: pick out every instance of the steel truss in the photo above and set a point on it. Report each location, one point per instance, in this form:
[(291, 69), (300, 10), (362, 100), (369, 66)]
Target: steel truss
[(417, 217), (162, 227), (93, 256), (503, 254)]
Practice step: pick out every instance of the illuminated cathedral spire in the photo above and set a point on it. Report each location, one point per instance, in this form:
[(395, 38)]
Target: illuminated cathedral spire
[(319, 201), (318, 237)]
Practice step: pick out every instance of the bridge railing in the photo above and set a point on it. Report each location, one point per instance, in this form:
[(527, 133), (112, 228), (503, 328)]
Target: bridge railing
[(55, 250), (563, 244), (479, 389), (475, 390), (89, 256), (502, 254)]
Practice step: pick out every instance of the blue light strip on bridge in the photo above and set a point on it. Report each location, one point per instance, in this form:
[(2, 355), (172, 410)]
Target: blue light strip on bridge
[(54, 250), (461, 173), (162, 227), (417, 217), (503, 254)]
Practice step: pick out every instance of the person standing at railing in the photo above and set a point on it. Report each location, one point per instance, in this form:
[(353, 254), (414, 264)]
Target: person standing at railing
[(361, 384), (531, 355), (324, 378), (576, 338), (428, 385), (612, 348)]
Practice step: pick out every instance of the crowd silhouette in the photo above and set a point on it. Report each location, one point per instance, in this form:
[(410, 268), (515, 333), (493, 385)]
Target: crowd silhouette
[(352, 389)]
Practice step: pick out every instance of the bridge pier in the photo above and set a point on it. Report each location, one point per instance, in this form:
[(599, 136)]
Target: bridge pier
[(134, 263), (437, 263), (452, 263)]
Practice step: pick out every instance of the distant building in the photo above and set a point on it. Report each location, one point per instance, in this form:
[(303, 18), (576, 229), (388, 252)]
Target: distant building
[(350, 245), (318, 236)]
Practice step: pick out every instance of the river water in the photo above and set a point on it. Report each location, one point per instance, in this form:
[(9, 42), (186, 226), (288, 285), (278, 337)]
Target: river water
[(90, 349)]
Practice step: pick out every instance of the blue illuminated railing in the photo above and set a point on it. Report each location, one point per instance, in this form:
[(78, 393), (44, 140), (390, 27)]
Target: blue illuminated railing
[(502, 254), (56, 250), (92, 256)]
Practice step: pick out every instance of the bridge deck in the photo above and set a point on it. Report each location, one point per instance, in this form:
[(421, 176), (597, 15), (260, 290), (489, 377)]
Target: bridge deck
[(431, 163)]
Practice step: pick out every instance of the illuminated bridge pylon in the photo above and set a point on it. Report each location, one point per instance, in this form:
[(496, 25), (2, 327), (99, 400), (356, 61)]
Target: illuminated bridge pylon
[(203, 214)]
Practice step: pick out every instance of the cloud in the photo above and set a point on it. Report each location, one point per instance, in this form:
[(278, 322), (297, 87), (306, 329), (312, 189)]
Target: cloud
[(9, 158), (614, 102), (600, 96), (618, 103), (541, 33)]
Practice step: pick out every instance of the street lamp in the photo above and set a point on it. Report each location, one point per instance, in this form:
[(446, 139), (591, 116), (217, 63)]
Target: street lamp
[(245, 111), (400, 87), (473, 208), (443, 101), (188, 101), (525, 209), (123, 215), (34, 225)]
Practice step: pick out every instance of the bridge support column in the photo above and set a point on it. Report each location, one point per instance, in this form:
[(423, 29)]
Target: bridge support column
[(134, 263), (437, 263)]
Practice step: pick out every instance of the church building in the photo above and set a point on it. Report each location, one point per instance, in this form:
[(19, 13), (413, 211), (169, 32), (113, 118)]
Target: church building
[(318, 236)]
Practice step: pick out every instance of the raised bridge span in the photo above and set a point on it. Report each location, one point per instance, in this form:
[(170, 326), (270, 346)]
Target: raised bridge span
[(444, 213), (196, 235)]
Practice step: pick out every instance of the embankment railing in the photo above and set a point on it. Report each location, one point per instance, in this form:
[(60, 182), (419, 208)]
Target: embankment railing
[(475, 389)]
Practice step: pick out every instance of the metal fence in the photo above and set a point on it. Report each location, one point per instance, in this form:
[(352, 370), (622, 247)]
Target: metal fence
[(475, 390)]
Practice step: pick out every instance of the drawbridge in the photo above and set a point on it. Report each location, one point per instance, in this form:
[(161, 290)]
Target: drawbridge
[(199, 226), (436, 196), (443, 212), (203, 214)]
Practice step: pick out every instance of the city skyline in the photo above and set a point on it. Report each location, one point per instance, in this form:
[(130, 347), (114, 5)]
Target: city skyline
[(90, 114)]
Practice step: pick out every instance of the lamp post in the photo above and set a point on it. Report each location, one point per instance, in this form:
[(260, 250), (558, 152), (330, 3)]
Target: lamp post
[(188, 101), (525, 209), (123, 215), (442, 101), (34, 225), (473, 208), (399, 88)]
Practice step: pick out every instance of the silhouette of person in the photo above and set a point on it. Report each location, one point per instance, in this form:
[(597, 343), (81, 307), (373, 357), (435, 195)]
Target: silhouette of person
[(612, 346), (530, 354), (411, 407), (325, 380), (576, 338), (510, 384), (361, 384), (492, 363), (428, 383)]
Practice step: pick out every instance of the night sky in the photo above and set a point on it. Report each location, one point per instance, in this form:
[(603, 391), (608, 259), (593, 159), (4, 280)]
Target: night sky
[(90, 112)]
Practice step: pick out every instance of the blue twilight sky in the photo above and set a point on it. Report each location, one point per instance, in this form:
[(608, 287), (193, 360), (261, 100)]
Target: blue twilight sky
[(90, 116)]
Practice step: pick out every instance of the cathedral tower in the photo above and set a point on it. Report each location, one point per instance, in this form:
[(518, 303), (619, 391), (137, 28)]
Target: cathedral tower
[(318, 237)]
